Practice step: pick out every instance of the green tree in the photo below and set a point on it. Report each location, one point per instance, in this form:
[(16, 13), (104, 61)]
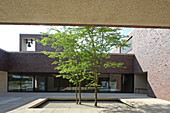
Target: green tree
[(74, 69), (71, 63), (83, 50), (97, 42)]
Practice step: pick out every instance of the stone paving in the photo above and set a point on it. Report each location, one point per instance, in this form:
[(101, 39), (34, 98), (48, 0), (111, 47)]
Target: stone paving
[(20, 103)]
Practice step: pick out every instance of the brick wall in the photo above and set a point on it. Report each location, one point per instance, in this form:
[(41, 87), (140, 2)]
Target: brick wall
[(152, 53), (3, 60), (38, 62), (126, 59), (30, 62)]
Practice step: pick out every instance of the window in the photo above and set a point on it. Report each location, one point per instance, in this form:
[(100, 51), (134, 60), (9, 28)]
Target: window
[(14, 83), (27, 83)]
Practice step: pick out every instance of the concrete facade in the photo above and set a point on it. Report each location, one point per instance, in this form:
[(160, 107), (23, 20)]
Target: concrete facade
[(140, 13), (3, 81), (3, 69)]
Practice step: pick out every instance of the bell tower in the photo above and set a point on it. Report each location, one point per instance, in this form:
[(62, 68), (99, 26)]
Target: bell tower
[(27, 44)]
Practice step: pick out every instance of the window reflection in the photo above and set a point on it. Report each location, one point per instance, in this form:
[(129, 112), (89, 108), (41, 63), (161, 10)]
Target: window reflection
[(40, 83), (50, 83), (14, 83), (110, 82), (27, 83)]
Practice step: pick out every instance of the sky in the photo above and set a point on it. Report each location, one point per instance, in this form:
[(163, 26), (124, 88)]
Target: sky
[(9, 34)]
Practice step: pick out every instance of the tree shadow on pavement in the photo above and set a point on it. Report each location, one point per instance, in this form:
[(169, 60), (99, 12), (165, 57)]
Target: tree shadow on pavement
[(139, 108)]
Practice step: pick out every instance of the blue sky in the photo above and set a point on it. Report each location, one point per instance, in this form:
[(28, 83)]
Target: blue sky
[(126, 31), (9, 34)]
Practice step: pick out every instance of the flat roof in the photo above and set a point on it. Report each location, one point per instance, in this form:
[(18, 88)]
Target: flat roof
[(119, 13)]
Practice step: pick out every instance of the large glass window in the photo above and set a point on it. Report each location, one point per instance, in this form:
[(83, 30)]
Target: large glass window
[(104, 83), (48, 82), (110, 82), (115, 82), (27, 83), (14, 83)]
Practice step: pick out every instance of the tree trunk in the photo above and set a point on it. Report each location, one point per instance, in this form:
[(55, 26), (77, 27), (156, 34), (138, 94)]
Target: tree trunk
[(76, 91), (79, 92), (96, 89)]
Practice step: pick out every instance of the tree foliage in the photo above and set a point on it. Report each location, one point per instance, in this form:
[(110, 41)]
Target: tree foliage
[(81, 50)]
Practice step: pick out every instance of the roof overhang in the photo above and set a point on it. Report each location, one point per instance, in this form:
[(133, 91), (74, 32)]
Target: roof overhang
[(121, 13)]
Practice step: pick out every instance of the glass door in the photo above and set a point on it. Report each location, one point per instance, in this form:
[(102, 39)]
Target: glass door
[(53, 83), (40, 83), (128, 83)]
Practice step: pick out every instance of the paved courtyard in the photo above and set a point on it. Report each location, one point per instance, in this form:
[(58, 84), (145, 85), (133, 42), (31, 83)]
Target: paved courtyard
[(139, 103)]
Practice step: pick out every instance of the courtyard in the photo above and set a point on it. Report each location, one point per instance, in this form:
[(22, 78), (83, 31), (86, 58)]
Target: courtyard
[(149, 63), (132, 103)]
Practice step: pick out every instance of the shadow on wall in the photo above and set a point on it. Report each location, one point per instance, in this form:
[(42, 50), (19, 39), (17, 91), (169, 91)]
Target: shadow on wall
[(138, 69), (150, 91), (137, 66)]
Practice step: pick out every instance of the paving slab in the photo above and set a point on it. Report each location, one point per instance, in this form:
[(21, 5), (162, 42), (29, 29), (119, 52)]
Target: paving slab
[(139, 103)]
